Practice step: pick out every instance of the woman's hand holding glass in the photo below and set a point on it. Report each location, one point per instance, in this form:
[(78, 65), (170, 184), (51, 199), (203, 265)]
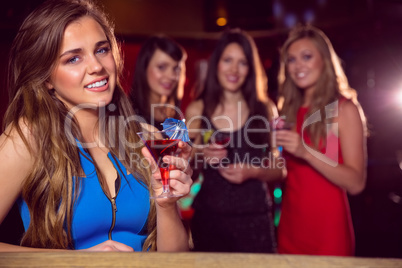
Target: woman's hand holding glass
[(291, 142), (215, 146), (180, 177)]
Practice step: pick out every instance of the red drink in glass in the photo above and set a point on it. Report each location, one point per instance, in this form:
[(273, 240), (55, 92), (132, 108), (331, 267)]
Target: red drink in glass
[(159, 144), (222, 139), (160, 148)]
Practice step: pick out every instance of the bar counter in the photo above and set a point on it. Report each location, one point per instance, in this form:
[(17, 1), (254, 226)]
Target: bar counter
[(184, 260)]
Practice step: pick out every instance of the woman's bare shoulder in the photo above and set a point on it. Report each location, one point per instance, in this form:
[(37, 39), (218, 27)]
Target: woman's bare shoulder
[(19, 135), (16, 163), (17, 152), (348, 109), (271, 109)]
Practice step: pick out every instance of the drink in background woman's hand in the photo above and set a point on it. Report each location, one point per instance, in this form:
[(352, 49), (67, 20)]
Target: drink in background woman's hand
[(221, 138), (278, 124)]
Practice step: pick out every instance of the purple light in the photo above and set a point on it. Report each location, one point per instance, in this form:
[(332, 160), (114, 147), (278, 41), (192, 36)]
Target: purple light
[(277, 9), (309, 15), (290, 20)]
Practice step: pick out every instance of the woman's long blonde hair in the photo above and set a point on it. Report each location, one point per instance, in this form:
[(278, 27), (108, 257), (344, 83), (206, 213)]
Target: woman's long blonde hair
[(50, 189), (331, 85)]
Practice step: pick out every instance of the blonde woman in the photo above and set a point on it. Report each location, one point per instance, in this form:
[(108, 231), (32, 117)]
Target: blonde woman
[(326, 150)]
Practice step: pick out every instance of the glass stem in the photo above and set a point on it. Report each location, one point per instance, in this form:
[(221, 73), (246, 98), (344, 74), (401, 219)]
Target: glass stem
[(165, 188)]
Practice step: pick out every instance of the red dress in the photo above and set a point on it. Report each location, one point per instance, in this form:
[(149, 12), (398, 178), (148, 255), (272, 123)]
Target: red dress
[(315, 218)]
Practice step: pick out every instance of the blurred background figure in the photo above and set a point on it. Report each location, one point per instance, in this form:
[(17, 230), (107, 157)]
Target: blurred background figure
[(326, 150), (159, 78), (232, 211)]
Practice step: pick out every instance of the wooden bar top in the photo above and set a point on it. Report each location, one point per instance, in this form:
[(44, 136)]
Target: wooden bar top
[(184, 260)]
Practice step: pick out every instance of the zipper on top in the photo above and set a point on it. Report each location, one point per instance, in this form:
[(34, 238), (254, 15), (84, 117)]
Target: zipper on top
[(114, 210), (113, 203)]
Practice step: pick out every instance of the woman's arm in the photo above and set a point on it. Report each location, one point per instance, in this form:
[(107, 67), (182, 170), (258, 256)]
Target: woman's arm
[(108, 245), (351, 175), (171, 233), (16, 163)]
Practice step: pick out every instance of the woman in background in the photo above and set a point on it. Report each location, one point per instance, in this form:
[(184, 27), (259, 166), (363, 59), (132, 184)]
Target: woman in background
[(326, 151), (62, 157), (232, 211), (158, 82)]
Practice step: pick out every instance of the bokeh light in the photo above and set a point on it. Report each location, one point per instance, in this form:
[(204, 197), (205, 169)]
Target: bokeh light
[(290, 20), (278, 192), (398, 97), (221, 21), (309, 16), (277, 9), (277, 195)]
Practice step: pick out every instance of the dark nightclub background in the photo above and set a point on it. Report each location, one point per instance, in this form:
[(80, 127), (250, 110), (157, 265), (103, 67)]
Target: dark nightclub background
[(367, 35)]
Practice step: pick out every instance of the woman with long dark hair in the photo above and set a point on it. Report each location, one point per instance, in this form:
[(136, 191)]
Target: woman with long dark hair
[(80, 179), (159, 78), (232, 211)]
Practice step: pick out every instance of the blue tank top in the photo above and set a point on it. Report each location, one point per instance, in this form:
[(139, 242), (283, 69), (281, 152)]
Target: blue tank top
[(93, 210)]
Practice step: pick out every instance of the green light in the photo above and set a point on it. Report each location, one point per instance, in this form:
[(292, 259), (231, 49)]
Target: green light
[(277, 200), (195, 188), (186, 203), (277, 217), (278, 193)]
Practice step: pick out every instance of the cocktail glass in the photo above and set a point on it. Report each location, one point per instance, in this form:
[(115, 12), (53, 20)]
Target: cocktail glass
[(220, 138), (278, 124), (159, 144)]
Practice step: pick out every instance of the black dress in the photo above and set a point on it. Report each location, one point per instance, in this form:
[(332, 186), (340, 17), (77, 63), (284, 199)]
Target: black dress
[(234, 217)]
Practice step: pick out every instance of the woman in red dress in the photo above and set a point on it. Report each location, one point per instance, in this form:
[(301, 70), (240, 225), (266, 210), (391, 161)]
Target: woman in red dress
[(325, 151)]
